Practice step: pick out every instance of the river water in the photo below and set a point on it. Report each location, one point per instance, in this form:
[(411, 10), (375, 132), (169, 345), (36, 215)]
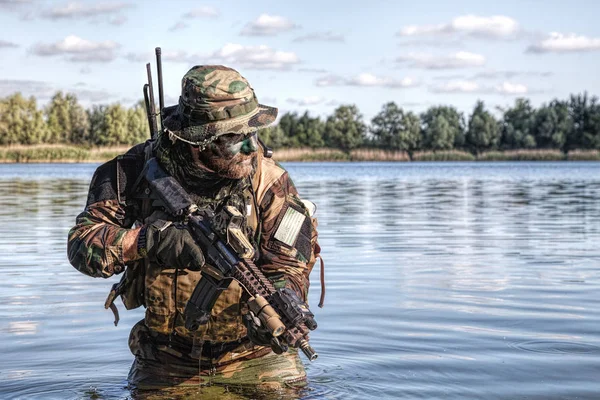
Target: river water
[(444, 281)]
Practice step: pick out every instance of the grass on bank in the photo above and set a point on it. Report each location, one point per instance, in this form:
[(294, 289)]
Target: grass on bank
[(65, 154)]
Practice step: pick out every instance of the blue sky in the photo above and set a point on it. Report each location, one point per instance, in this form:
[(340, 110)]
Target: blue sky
[(309, 55)]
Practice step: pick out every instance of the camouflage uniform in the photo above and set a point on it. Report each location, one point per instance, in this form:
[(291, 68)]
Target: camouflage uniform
[(104, 242)]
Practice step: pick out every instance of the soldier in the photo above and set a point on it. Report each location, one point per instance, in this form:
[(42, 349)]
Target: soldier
[(209, 145)]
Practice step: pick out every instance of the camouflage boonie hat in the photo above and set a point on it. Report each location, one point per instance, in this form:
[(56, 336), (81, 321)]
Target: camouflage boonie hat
[(215, 100)]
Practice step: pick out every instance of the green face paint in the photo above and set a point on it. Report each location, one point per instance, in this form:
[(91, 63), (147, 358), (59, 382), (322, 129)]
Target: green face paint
[(242, 144)]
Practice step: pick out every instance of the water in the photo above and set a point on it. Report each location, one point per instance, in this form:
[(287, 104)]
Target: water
[(444, 281)]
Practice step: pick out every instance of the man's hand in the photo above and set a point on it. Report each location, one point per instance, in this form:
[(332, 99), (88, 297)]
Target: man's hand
[(260, 336), (171, 245)]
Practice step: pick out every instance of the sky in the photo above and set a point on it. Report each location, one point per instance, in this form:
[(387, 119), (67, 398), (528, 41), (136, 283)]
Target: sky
[(308, 55)]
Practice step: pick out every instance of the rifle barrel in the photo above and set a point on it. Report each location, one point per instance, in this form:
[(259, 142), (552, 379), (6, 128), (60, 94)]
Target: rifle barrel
[(161, 96)]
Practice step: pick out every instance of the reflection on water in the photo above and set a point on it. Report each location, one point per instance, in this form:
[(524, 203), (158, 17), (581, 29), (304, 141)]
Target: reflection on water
[(444, 281)]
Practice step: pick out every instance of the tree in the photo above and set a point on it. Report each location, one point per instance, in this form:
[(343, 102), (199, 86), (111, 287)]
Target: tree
[(116, 125), (394, 129), (304, 131), (98, 128), (441, 127), (67, 120), (552, 125), (20, 121), (273, 136), (517, 126), (483, 131), (585, 132), (345, 129), (137, 124)]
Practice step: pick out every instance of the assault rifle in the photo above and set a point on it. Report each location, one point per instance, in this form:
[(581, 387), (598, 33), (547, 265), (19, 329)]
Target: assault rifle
[(229, 256)]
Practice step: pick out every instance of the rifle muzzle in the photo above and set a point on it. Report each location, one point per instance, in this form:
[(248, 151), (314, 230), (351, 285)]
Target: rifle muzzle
[(308, 351)]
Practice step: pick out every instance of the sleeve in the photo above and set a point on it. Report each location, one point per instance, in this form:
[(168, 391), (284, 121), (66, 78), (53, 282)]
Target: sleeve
[(288, 239), (101, 242)]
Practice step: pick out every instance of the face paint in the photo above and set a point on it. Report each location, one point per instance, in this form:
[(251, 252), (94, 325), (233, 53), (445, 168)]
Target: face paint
[(235, 144)]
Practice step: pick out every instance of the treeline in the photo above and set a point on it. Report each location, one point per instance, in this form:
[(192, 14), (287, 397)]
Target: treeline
[(562, 125)]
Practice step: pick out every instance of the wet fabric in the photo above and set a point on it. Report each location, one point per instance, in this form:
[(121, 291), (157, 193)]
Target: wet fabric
[(166, 361)]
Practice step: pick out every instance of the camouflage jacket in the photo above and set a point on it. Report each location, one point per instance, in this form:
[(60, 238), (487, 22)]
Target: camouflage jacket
[(104, 242)]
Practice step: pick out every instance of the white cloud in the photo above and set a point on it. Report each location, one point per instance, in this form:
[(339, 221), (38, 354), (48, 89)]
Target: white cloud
[(366, 79), (321, 37), (313, 70), (254, 57), (77, 9), (201, 12), (39, 89), (511, 88), (118, 20), (268, 25), (468, 86), (5, 44), (511, 74), (497, 26), (178, 26), (564, 43), (461, 59), (458, 86), (307, 101), (78, 50)]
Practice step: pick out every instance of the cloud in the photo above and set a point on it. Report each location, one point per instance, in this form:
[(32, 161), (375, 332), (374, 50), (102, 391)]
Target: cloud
[(118, 20), (76, 49), (511, 88), (77, 9), (495, 27), (461, 59), (467, 86), (39, 89), (321, 37), (458, 86), (202, 12), (268, 25), (564, 43), (254, 57), (306, 101), (432, 43), (366, 79), (178, 26), (313, 70), (7, 45), (251, 57), (13, 5), (511, 74)]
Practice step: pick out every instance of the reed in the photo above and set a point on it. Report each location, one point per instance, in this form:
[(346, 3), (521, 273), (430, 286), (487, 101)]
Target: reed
[(378, 155), (308, 154), (522, 155), (40, 154), (584, 155), (446, 155)]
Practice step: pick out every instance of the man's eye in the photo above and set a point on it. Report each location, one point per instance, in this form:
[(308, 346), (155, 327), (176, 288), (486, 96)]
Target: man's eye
[(230, 138)]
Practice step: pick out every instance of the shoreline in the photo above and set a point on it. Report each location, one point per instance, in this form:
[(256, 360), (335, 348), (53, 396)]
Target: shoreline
[(40, 154)]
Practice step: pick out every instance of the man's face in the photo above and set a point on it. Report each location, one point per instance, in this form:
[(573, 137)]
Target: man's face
[(231, 155)]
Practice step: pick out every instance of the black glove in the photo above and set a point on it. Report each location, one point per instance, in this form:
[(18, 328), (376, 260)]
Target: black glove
[(172, 245), (260, 336)]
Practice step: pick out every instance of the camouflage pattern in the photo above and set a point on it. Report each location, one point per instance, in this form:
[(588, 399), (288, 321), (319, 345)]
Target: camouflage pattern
[(103, 242), (216, 100), (166, 361)]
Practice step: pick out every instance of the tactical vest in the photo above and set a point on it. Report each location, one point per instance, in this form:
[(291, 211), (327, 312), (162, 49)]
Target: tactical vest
[(165, 292)]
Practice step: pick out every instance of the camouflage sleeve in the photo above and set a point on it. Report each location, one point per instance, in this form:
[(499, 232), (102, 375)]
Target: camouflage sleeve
[(288, 242), (101, 243)]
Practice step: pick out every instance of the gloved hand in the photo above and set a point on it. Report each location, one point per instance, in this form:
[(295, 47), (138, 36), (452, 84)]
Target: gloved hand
[(171, 245), (260, 336)]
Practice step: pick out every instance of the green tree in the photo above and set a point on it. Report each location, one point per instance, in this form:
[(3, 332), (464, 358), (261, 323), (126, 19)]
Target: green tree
[(116, 125), (67, 120), (273, 136), (442, 127), (98, 127), (394, 129), (20, 121), (345, 129), (517, 126), (137, 124), (552, 125), (483, 131), (585, 132)]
